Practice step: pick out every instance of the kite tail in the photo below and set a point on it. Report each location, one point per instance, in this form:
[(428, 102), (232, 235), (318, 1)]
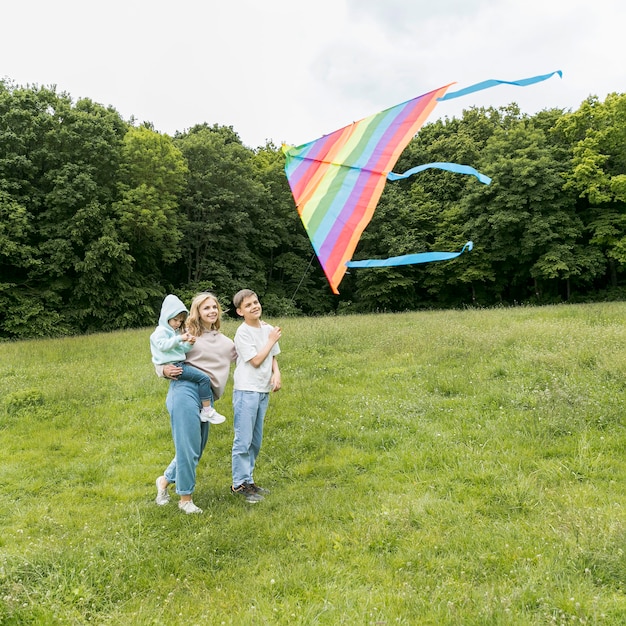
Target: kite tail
[(486, 84), (411, 259), (450, 167)]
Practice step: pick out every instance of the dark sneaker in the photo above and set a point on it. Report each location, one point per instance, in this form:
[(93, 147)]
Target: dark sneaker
[(262, 491), (247, 492)]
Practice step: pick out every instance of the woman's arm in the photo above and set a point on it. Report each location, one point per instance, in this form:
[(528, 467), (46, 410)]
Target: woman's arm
[(172, 371)]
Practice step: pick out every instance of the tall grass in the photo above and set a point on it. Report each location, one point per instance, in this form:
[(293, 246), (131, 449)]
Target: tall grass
[(459, 467)]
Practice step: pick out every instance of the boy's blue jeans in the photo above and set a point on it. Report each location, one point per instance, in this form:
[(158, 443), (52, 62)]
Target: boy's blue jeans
[(249, 409), (194, 375)]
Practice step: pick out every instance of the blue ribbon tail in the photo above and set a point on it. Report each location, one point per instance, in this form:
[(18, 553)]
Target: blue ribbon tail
[(411, 259), (486, 84), (450, 167)]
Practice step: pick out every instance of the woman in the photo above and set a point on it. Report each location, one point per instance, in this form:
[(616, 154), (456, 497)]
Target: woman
[(212, 353)]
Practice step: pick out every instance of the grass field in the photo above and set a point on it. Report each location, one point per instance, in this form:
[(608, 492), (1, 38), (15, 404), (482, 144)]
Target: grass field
[(457, 467)]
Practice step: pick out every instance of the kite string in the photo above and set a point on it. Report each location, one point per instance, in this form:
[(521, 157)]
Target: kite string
[(306, 269)]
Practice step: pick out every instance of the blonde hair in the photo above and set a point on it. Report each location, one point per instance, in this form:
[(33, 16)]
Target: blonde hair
[(194, 324)]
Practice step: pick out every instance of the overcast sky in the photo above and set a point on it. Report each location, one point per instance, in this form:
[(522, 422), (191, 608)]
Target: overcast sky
[(293, 70)]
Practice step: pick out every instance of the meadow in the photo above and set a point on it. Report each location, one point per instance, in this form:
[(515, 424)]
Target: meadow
[(445, 468)]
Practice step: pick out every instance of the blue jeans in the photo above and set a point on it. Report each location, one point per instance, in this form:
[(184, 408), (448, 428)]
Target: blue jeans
[(249, 409), (189, 433), (194, 375)]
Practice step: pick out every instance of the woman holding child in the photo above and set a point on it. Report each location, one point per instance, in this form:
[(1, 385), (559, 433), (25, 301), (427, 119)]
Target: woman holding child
[(212, 353)]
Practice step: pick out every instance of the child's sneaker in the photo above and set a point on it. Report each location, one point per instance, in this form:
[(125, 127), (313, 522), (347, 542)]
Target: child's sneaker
[(209, 414), (247, 492), (189, 507)]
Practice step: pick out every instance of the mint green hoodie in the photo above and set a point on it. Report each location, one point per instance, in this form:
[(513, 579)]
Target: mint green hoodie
[(166, 343)]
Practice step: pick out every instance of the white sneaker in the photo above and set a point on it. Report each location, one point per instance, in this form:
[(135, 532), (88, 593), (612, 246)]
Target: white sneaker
[(209, 414), (163, 497), (189, 507)]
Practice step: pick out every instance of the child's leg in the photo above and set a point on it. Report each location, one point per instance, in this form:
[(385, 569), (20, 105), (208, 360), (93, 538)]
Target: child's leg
[(194, 375), (248, 434), (257, 432)]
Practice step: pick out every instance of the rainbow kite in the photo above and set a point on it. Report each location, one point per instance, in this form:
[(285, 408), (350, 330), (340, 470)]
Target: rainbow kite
[(337, 180)]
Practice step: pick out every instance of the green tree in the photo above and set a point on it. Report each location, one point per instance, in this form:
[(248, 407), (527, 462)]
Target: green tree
[(460, 141), (221, 203), (77, 232), (524, 222), (598, 175), (400, 226), (152, 176), (59, 168)]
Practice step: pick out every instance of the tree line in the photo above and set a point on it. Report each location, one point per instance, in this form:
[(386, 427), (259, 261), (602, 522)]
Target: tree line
[(101, 217)]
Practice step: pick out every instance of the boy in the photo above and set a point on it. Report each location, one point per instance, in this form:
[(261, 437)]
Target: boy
[(169, 346), (256, 374)]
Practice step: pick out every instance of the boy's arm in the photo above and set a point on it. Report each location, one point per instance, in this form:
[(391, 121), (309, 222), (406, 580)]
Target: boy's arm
[(275, 381), (260, 356)]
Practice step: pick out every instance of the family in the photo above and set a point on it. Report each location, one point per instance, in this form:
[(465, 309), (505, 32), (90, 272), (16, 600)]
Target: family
[(189, 349)]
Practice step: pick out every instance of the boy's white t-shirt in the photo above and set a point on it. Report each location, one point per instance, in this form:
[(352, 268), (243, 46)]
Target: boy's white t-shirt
[(249, 340)]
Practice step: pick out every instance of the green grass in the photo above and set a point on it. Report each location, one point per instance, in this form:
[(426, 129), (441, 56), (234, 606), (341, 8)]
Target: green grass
[(458, 467)]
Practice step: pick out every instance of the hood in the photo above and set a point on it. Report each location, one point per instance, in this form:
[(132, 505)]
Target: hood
[(171, 307)]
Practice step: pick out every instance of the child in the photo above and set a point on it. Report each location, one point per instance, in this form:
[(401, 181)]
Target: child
[(169, 345), (256, 374)]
